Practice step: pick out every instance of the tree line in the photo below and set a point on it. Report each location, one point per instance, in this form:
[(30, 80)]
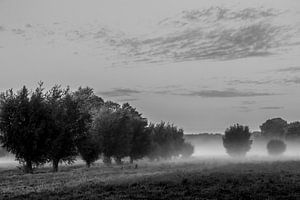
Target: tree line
[(275, 132), (57, 125)]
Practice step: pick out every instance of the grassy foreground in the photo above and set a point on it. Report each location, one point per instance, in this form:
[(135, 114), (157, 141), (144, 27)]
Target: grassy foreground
[(197, 179)]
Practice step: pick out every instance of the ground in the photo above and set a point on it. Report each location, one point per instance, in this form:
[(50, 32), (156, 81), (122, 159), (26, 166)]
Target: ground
[(198, 178)]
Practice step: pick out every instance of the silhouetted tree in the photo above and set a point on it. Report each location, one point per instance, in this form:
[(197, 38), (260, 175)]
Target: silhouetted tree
[(237, 140), (274, 128), (276, 147), (24, 126), (68, 125)]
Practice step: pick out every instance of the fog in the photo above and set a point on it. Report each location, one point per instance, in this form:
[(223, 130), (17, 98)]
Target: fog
[(212, 146)]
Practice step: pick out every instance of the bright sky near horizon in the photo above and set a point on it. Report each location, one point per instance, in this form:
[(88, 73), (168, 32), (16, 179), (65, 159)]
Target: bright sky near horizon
[(200, 64)]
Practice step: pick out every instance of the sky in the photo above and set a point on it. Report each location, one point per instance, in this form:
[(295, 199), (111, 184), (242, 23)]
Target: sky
[(202, 65)]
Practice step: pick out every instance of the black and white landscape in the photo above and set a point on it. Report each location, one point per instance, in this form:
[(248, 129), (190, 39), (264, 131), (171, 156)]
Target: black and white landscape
[(172, 99)]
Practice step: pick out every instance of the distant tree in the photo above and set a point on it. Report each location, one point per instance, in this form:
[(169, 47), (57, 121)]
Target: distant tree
[(237, 140), (293, 131), (187, 150), (274, 128), (276, 147), (68, 125), (166, 141), (24, 126)]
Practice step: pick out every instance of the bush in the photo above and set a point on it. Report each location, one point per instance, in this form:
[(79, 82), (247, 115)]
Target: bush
[(237, 140), (276, 147)]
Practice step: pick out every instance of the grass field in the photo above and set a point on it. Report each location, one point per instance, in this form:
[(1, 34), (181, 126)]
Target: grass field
[(206, 178)]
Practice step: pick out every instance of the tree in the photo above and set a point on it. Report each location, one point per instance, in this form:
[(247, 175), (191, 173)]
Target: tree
[(166, 141), (87, 100), (276, 147), (293, 131), (273, 128), (68, 125), (89, 149), (113, 133), (140, 136), (24, 127), (237, 140), (187, 150)]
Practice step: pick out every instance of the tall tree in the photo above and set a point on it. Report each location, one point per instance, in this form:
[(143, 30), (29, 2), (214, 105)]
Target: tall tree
[(237, 140), (111, 127), (68, 124), (24, 127), (140, 135)]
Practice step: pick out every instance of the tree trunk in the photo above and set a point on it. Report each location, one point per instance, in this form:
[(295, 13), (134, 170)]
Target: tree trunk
[(28, 167), (88, 164), (131, 160), (118, 161), (107, 160), (55, 165)]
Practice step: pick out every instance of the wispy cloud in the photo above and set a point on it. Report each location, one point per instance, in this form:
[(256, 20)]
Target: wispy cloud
[(289, 69), (295, 80), (253, 82), (271, 107), (248, 102), (226, 93), (120, 92)]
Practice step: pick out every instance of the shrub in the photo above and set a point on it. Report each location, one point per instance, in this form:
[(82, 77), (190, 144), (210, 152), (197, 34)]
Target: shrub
[(276, 147), (237, 140)]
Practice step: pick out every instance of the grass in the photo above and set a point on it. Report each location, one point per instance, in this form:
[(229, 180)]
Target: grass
[(196, 179)]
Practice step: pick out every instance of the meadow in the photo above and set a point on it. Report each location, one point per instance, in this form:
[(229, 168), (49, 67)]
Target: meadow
[(196, 178)]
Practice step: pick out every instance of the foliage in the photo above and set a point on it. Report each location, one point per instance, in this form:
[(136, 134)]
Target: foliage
[(68, 125), (293, 131), (273, 128), (87, 100), (24, 125), (237, 140), (111, 128), (276, 147), (89, 149), (166, 141), (140, 137)]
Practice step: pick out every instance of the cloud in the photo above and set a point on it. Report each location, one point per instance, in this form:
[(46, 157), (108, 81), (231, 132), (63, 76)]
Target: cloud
[(289, 69), (226, 93), (2, 28), (295, 80), (248, 102), (271, 107), (243, 108), (215, 33), (254, 82), (120, 92), (128, 99)]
